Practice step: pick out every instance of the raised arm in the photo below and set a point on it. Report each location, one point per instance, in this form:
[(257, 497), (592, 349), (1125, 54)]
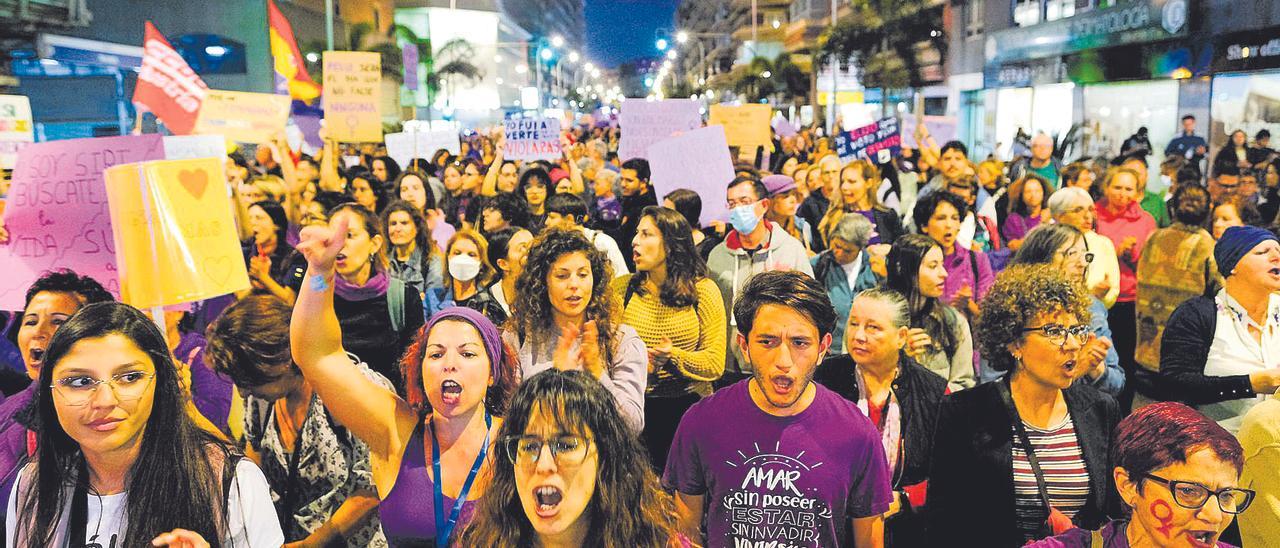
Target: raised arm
[(490, 185), (371, 412)]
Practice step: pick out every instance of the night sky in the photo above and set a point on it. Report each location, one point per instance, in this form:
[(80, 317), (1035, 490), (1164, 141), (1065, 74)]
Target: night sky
[(622, 30)]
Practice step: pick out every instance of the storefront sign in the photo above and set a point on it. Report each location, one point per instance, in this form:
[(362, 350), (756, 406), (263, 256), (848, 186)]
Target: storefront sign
[(1125, 23), (1251, 50), (1025, 74)]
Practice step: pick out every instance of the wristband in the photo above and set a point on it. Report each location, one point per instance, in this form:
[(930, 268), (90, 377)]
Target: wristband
[(318, 283)]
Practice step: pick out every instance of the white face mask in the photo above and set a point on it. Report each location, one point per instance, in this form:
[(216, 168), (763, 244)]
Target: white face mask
[(464, 268)]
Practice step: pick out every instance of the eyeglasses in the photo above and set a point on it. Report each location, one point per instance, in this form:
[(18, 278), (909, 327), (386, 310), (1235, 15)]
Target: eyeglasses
[(1193, 496), (1057, 333), (566, 449), (741, 202), (80, 390), (1073, 253)]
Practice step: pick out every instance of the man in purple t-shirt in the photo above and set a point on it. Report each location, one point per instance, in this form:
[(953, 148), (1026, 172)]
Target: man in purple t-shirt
[(777, 460)]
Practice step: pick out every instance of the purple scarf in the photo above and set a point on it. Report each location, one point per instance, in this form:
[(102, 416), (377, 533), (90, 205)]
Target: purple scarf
[(375, 287)]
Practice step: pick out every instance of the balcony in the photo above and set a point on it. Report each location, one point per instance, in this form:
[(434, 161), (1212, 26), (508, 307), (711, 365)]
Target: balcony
[(21, 18)]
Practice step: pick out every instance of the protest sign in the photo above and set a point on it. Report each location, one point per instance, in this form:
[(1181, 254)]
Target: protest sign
[(745, 126), (878, 142), (645, 122), (182, 147), (242, 116), (352, 91), (16, 129), (57, 213), (405, 146), (175, 232), (699, 161), (167, 86), (782, 126), (532, 139), (941, 128)]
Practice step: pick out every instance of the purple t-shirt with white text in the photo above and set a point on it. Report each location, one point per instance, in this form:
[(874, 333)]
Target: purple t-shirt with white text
[(797, 480)]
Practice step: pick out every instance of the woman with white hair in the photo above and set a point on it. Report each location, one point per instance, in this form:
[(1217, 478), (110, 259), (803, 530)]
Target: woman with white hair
[(1073, 206), (845, 269)]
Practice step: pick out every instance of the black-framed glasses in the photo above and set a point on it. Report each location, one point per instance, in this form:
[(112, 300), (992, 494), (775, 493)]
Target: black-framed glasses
[(566, 449), (1193, 496), (1057, 333), (741, 202), (80, 389)]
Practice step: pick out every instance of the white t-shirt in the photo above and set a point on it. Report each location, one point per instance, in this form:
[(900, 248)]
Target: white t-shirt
[(852, 269), (1235, 352), (252, 515)]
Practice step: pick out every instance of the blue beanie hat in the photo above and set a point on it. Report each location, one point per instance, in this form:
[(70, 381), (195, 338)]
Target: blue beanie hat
[(1235, 242)]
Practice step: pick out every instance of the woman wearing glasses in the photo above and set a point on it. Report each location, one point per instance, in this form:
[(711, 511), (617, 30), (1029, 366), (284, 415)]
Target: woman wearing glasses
[(1062, 247), (1178, 473), (111, 409), (571, 473), (1076, 208), (429, 452), (1025, 457)]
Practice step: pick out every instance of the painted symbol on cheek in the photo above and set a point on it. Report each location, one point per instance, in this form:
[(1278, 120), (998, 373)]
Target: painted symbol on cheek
[(1164, 514)]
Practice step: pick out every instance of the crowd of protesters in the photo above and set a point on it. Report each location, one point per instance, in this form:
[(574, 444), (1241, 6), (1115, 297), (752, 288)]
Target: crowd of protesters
[(934, 350)]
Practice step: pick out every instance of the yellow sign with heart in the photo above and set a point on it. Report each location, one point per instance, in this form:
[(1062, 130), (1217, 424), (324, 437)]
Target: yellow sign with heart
[(175, 232)]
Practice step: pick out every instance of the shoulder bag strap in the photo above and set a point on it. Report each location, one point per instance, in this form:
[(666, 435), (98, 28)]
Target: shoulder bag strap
[(631, 290), (1025, 441)]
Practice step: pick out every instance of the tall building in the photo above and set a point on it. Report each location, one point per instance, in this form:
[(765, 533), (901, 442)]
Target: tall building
[(548, 18)]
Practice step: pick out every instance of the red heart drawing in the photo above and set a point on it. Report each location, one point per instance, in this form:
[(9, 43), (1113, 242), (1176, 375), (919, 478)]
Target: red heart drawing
[(194, 181)]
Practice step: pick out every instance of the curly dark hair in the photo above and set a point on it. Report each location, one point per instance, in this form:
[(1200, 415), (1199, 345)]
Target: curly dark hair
[(531, 312), (684, 265), (628, 508), (928, 205), (1020, 294), (422, 238), (86, 290)]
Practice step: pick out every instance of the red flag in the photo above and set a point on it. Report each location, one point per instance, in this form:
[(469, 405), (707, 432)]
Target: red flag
[(288, 59), (167, 86)]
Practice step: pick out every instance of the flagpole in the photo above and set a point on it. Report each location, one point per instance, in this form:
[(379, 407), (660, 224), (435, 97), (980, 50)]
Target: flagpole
[(328, 21)]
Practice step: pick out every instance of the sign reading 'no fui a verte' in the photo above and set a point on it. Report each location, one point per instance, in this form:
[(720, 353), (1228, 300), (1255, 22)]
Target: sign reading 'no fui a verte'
[(532, 139)]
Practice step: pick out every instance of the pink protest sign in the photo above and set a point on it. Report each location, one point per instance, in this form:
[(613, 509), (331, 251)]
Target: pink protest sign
[(57, 213), (645, 122), (699, 161)]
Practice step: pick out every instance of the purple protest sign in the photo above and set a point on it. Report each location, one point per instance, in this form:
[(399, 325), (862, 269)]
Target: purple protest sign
[(645, 122), (57, 213), (699, 161), (410, 56)]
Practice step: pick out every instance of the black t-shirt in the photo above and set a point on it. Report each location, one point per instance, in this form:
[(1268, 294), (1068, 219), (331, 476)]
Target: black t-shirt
[(367, 333), (288, 267)]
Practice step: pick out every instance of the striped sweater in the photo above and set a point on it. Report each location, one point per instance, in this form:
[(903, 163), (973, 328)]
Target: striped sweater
[(1065, 475)]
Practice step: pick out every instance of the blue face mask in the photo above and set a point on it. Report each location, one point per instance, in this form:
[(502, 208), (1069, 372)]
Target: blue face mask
[(743, 218)]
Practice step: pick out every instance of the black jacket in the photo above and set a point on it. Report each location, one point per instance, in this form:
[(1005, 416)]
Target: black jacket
[(920, 393), (888, 224), (1184, 349), (971, 476)]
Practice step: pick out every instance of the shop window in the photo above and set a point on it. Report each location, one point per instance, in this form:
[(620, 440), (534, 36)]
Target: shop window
[(1026, 12), (974, 17), (1059, 9)]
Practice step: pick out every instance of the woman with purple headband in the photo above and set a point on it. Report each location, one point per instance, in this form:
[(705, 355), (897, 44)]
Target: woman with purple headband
[(431, 451)]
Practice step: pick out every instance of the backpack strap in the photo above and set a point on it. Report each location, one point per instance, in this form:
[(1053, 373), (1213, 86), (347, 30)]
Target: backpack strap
[(395, 302), (973, 265)]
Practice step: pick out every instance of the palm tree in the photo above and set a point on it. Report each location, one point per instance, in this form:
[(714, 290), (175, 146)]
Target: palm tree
[(454, 63), (361, 37), (761, 79), (882, 36)]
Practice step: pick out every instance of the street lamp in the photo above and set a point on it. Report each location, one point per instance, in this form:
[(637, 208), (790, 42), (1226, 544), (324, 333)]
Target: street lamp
[(573, 57), (661, 44), (682, 37), (557, 41), (671, 54), (545, 54)]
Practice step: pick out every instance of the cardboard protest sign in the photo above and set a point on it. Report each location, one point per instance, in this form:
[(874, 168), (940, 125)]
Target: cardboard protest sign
[(878, 142), (175, 232), (699, 161), (782, 126), (16, 129), (745, 126), (405, 146), (532, 139), (941, 128), (352, 91), (645, 122), (242, 116), (57, 213), (182, 147)]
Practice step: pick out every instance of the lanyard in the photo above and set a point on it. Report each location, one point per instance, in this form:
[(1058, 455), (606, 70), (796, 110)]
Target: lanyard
[(444, 528), (287, 498)]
